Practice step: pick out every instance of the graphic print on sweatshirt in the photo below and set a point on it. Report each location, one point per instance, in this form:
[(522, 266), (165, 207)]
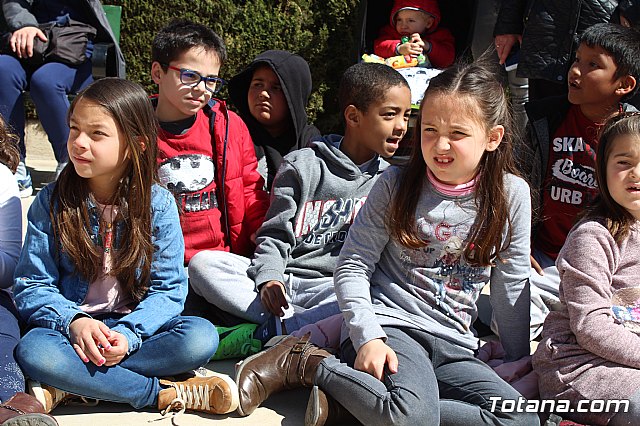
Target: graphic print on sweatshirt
[(625, 305), (190, 177), (440, 274), (323, 222)]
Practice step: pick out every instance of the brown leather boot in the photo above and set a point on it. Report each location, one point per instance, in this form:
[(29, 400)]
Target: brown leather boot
[(23, 409), (289, 364), (323, 410)]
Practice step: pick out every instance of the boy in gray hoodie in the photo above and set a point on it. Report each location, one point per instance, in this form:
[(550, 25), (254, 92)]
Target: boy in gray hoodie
[(315, 196)]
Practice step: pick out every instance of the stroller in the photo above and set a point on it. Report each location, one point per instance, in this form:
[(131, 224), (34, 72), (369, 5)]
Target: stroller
[(457, 15)]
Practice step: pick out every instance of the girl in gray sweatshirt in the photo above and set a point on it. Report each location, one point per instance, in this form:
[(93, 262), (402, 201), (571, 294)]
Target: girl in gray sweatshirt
[(429, 238)]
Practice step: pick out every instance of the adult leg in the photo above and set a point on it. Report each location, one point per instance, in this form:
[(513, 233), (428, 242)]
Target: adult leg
[(467, 386), (50, 86), (47, 356), (408, 397), (485, 20), (312, 300), (519, 91), (221, 278), (11, 379), (13, 81)]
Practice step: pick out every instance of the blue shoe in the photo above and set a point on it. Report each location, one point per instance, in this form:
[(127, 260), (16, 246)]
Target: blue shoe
[(24, 180), (270, 328)]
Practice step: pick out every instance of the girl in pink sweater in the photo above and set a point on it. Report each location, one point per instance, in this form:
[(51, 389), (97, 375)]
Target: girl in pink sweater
[(591, 345)]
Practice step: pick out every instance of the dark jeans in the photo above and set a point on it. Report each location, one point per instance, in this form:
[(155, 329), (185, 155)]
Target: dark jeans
[(11, 378), (437, 383), (182, 344), (48, 86)]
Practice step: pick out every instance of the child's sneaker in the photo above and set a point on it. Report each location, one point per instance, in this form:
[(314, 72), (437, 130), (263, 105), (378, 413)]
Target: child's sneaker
[(24, 180), (270, 328), (48, 396), (216, 394), (237, 342)]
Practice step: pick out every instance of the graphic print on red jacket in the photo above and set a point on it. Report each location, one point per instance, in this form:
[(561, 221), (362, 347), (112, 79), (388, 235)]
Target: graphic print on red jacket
[(443, 49), (212, 171)]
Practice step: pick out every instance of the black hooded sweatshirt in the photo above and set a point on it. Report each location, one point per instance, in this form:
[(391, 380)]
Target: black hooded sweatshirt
[(295, 79)]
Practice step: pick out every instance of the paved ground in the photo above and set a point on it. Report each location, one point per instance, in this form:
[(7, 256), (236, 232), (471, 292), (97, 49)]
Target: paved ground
[(286, 409)]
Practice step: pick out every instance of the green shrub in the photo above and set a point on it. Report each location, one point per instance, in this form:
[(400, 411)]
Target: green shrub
[(322, 31)]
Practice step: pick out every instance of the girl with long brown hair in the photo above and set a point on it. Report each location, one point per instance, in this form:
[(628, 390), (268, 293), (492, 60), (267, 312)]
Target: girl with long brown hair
[(101, 281), (429, 237)]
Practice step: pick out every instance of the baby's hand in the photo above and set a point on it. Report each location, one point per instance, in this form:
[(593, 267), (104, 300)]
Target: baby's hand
[(373, 356), (118, 350), (409, 49), (85, 335)]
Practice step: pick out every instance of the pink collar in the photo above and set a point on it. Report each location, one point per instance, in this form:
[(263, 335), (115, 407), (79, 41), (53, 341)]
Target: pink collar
[(452, 190)]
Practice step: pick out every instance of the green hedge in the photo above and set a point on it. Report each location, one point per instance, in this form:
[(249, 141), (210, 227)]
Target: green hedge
[(324, 32)]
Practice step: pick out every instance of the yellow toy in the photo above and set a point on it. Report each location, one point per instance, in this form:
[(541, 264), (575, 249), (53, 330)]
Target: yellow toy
[(398, 62)]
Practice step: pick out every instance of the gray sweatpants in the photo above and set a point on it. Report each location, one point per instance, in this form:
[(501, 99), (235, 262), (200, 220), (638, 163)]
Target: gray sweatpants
[(544, 291), (221, 278)]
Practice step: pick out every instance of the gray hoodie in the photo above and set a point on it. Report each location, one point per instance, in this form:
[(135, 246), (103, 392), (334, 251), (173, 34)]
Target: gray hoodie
[(317, 192), (380, 282)]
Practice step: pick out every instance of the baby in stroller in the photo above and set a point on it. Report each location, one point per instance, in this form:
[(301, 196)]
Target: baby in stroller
[(414, 30), (414, 39)]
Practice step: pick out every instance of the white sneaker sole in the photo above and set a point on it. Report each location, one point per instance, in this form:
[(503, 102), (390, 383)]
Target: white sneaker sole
[(35, 389), (235, 396)]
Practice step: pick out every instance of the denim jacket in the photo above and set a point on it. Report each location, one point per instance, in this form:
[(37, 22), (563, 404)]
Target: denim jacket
[(48, 292)]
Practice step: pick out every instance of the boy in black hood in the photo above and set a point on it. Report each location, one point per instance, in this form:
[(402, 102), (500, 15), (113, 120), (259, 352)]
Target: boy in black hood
[(271, 95)]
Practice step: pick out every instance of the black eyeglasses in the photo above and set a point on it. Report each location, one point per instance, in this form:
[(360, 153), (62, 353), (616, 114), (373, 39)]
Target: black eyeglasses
[(193, 78)]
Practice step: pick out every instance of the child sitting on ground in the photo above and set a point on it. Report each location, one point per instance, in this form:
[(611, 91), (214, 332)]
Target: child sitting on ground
[(418, 21), (100, 281), (16, 407), (559, 157), (591, 345), (430, 236), (316, 194), (205, 154), (271, 95)]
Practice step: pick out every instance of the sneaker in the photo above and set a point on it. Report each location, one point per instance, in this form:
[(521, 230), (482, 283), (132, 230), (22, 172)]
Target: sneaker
[(24, 180), (270, 328), (215, 394), (48, 396), (237, 342), (59, 168)]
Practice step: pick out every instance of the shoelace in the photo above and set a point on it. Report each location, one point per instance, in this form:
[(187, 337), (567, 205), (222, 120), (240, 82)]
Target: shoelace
[(192, 397)]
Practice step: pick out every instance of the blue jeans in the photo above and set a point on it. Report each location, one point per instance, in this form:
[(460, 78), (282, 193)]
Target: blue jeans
[(11, 378), (182, 344), (49, 86), (437, 383)]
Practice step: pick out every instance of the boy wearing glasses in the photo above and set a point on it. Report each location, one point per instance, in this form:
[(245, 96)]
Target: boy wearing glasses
[(205, 153)]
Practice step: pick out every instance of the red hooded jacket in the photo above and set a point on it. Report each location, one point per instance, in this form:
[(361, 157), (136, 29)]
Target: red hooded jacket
[(223, 214), (442, 42)]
